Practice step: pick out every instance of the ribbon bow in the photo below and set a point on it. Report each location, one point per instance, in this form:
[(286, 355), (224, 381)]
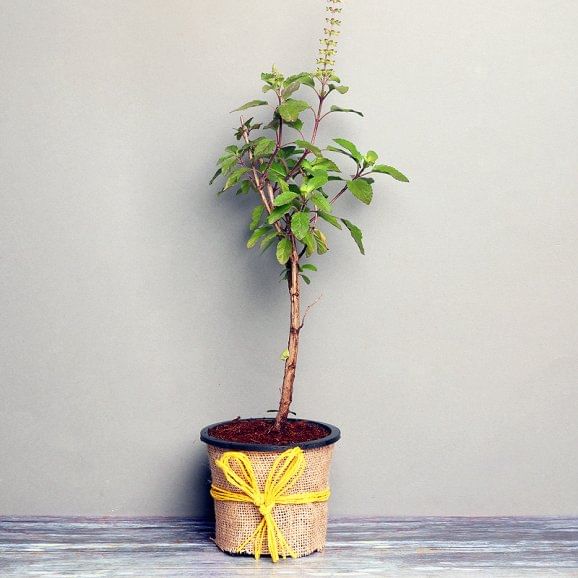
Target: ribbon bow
[(287, 468)]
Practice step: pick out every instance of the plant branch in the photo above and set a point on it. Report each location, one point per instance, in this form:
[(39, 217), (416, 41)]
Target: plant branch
[(357, 175), (279, 139), (338, 194), (309, 307), (258, 183), (316, 122)]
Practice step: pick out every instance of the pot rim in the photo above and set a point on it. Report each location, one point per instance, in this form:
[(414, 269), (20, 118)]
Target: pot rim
[(333, 435)]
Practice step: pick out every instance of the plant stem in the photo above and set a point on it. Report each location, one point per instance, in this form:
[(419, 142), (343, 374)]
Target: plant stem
[(358, 174), (322, 95), (295, 325)]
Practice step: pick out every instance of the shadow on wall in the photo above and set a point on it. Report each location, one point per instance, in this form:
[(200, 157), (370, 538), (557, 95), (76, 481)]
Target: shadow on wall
[(196, 499)]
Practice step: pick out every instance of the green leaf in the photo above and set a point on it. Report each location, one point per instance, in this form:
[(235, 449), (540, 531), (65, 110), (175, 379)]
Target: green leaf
[(264, 146), (321, 239), (290, 109), (302, 78), (310, 243), (293, 78), (290, 88), (330, 219), (284, 354), (309, 266), (228, 163), (293, 187), (339, 89), (316, 171), (322, 203), (274, 124), (338, 150), (296, 124), (385, 169), (287, 151), (251, 104), (371, 157), (308, 146), (283, 185), (339, 109), (307, 79), (300, 224), (306, 279), (268, 76), (244, 187), (257, 234), (219, 171), (356, 234), (284, 198), (267, 240), (284, 249), (277, 213), (309, 82), (327, 164), (276, 172), (256, 217), (350, 147), (314, 183), (361, 190), (234, 177)]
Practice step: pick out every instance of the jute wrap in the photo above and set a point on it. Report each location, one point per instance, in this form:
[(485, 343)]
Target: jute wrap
[(304, 526)]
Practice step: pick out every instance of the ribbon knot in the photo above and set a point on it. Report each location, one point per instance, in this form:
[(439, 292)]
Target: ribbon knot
[(287, 468), (266, 509)]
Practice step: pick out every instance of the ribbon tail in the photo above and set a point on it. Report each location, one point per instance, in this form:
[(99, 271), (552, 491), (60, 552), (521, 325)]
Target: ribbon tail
[(277, 542), (287, 550), (257, 538), (272, 531)]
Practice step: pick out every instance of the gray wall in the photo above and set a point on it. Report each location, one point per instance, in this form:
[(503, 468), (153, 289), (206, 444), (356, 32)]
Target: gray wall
[(132, 314)]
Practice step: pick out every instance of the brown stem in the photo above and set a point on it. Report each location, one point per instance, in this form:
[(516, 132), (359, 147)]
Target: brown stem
[(278, 143), (256, 178), (261, 184), (293, 343), (296, 323)]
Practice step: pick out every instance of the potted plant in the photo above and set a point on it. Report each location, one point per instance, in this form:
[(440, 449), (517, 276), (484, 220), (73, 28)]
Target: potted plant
[(270, 475)]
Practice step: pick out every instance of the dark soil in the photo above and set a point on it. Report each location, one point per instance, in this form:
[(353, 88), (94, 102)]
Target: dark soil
[(261, 431)]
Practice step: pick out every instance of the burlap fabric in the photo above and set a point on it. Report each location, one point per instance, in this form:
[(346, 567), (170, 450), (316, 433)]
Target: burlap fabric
[(303, 525)]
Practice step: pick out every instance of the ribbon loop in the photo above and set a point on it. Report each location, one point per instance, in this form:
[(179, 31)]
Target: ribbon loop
[(286, 470)]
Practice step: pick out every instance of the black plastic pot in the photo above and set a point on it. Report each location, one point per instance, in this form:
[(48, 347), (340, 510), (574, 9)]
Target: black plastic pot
[(332, 436)]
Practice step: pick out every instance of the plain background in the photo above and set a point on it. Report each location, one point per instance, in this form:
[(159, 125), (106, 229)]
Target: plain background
[(132, 314)]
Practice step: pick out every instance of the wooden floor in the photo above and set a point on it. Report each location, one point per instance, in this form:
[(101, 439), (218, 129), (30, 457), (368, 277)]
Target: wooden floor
[(170, 547)]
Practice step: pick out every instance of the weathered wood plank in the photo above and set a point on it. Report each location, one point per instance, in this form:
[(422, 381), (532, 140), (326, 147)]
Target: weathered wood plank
[(173, 547)]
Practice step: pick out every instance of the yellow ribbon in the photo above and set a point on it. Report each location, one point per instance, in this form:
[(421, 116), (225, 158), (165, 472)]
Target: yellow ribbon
[(287, 468)]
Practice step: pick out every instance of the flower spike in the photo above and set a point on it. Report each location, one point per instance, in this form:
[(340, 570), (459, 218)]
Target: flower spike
[(325, 62)]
